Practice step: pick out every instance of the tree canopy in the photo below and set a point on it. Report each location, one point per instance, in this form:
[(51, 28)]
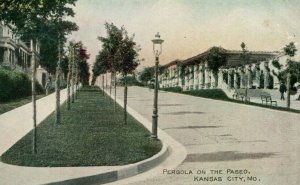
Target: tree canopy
[(290, 49), (128, 55), (119, 52), (42, 21), (245, 57), (216, 58)]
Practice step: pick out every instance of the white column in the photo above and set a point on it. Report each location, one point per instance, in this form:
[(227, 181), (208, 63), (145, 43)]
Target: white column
[(206, 76), (276, 82), (191, 78), (242, 78), (266, 75), (212, 79), (196, 77), (257, 77), (175, 84), (201, 76), (179, 77), (249, 77), (186, 79), (220, 78), (235, 79), (229, 78)]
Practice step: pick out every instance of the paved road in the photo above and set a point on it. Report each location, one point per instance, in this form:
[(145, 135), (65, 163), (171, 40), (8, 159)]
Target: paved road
[(224, 136)]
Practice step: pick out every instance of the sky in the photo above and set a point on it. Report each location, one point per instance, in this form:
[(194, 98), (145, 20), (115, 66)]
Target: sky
[(189, 27)]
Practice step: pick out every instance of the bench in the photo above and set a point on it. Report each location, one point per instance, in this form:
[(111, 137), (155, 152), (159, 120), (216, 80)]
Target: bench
[(268, 100), (241, 96)]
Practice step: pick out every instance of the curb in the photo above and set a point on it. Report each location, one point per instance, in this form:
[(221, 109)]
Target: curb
[(127, 171)]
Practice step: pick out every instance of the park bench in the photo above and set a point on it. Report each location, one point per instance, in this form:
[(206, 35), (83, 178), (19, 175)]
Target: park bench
[(240, 96), (268, 100)]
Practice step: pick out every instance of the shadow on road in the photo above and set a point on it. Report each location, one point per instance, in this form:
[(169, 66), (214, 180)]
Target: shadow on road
[(184, 112), (225, 156), (191, 127)]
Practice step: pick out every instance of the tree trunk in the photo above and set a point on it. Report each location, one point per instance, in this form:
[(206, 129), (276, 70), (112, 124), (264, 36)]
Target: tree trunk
[(57, 89), (72, 79), (34, 135), (110, 83), (103, 85), (76, 80), (125, 100), (288, 85), (69, 77), (106, 82), (115, 95)]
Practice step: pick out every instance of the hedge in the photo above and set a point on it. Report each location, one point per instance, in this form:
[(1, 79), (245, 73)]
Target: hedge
[(15, 85)]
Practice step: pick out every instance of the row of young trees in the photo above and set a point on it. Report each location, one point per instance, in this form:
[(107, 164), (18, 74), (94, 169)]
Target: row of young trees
[(43, 22), (119, 54)]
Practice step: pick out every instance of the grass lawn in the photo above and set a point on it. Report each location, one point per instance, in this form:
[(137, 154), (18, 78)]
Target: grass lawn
[(91, 134), (7, 106)]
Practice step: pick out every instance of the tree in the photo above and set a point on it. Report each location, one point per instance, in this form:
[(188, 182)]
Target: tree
[(52, 35), (84, 73), (127, 54), (146, 75), (110, 45), (30, 19), (245, 60), (100, 66), (290, 51), (216, 58)]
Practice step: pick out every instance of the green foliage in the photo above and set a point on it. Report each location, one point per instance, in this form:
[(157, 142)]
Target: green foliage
[(276, 64), (101, 65), (64, 66), (290, 49), (15, 103), (41, 20), (119, 52), (245, 57), (146, 75), (205, 93), (130, 81), (208, 93), (53, 34), (216, 58), (84, 73), (282, 76), (128, 55), (13, 85), (173, 89), (90, 134), (79, 57), (111, 44)]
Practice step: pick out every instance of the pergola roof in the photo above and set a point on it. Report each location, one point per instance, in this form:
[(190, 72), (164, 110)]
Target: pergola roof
[(202, 56)]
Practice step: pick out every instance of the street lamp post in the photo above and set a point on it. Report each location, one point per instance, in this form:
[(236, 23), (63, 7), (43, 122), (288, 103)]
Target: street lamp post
[(157, 49)]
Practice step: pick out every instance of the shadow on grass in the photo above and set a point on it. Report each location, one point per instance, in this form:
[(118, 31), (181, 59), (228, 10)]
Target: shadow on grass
[(225, 156)]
